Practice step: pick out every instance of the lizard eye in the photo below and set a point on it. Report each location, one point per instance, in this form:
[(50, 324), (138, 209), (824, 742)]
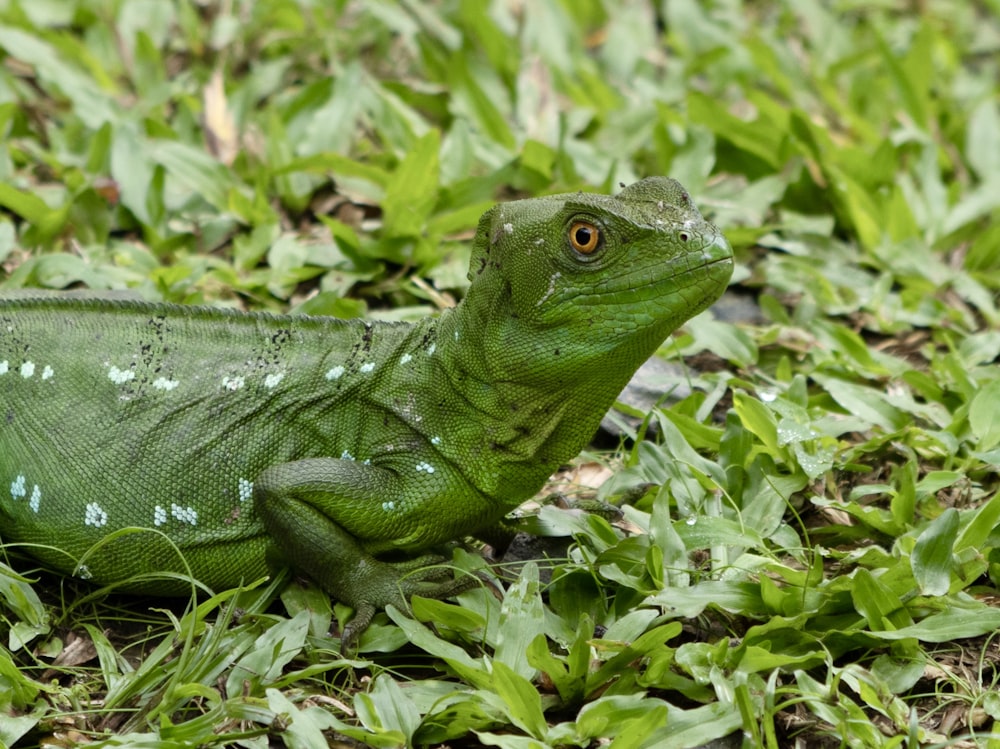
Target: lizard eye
[(585, 237)]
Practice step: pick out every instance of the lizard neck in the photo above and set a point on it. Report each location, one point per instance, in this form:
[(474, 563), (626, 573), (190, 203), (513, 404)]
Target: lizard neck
[(539, 393)]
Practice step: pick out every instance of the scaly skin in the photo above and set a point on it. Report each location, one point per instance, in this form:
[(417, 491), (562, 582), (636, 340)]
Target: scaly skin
[(229, 435)]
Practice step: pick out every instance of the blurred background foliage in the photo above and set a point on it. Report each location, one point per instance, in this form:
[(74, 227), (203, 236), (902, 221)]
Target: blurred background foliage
[(820, 508)]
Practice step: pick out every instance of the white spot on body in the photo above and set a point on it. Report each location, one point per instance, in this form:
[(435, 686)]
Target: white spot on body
[(94, 515), (184, 514), (83, 572), (162, 383), (435, 440), (431, 349), (4, 367), (389, 506), (272, 380), (539, 242), (36, 498), (27, 369), (409, 410), (246, 490), (346, 456), (17, 490), (551, 290), (404, 359), (233, 383), (159, 515), (508, 228), (367, 367), (335, 373), (47, 372), (120, 376), (424, 467)]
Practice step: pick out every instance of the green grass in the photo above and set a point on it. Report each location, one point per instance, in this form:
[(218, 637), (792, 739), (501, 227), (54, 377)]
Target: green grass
[(810, 547)]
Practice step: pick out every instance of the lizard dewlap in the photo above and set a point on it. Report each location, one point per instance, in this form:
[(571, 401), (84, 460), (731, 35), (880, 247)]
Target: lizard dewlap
[(227, 435)]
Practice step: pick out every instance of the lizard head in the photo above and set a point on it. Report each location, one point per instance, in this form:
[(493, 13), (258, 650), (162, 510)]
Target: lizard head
[(607, 268)]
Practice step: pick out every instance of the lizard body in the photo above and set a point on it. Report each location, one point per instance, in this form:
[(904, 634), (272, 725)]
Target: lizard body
[(226, 434)]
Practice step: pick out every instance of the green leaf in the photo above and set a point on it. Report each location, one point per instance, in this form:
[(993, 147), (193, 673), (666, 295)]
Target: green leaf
[(873, 600), (412, 189), (629, 733), (724, 340), (470, 100), (697, 727), (304, 728), (954, 623), (911, 74), (759, 138), (857, 208), (339, 165), (446, 614), (386, 709), (194, 171), (568, 674), (524, 704), (275, 649), (422, 637), (868, 403), (522, 619), (728, 596), (19, 597), (758, 419), (621, 664), (26, 205), (983, 139), (984, 415), (980, 525), (931, 557), (904, 497)]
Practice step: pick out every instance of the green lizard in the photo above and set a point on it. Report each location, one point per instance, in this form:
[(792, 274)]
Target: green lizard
[(340, 444)]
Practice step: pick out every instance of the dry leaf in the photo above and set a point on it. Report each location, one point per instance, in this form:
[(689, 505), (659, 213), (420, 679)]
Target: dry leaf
[(217, 120)]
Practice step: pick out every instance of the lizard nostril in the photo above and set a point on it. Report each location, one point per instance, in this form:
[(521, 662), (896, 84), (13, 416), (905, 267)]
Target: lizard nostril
[(684, 236)]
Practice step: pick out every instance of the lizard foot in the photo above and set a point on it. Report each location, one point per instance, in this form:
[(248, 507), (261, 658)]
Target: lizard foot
[(379, 584)]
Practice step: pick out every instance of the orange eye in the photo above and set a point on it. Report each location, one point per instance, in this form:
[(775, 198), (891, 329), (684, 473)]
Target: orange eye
[(585, 237)]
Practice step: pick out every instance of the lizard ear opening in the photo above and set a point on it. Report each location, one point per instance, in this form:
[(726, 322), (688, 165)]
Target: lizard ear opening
[(585, 238)]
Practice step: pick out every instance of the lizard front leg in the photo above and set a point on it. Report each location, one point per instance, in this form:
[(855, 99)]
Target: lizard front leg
[(319, 513)]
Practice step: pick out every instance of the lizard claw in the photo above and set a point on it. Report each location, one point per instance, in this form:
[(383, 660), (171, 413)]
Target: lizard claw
[(363, 616)]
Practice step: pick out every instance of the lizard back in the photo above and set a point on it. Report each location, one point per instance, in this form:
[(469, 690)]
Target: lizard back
[(126, 414)]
